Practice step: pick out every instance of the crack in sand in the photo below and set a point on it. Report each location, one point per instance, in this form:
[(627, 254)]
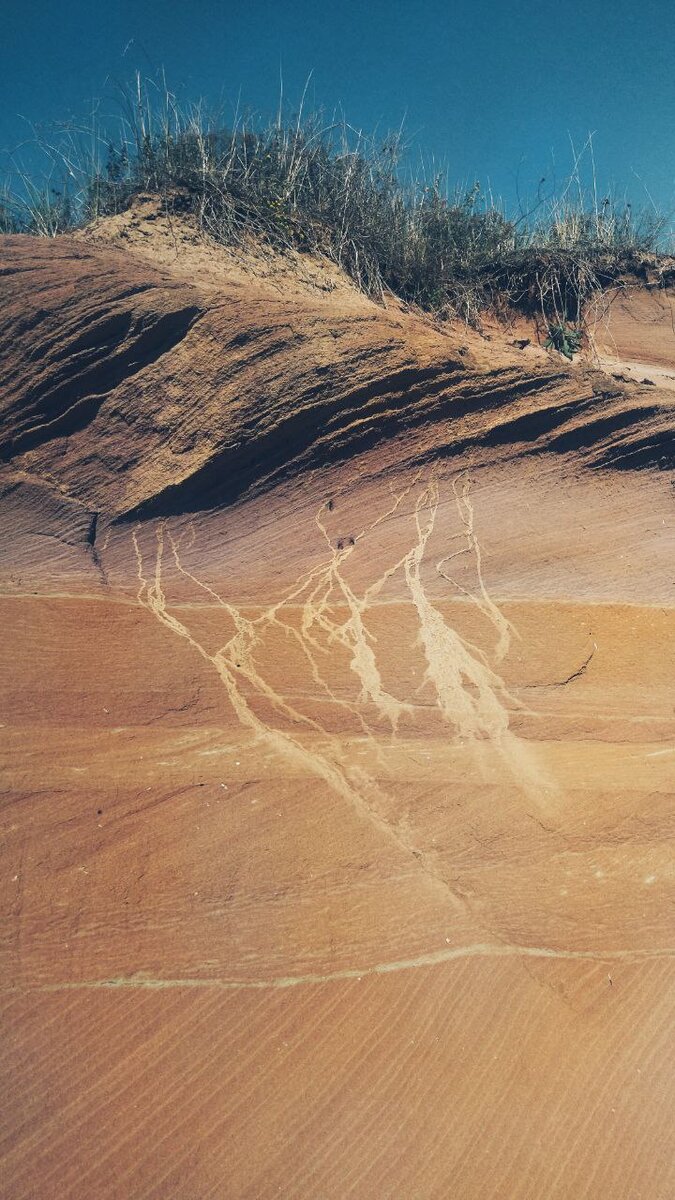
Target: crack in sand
[(471, 696), (352, 634), (484, 601), (431, 959), (151, 596)]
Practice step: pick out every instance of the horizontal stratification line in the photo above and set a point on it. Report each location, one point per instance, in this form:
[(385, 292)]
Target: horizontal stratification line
[(131, 600), (431, 959)]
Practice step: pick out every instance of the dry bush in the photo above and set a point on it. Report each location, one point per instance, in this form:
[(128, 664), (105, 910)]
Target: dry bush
[(318, 185)]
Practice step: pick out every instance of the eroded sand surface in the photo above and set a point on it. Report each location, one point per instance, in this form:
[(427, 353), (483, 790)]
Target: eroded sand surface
[(337, 838), (383, 844)]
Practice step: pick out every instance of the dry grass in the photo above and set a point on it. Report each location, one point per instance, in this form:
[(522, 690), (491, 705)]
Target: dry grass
[(320, 186)]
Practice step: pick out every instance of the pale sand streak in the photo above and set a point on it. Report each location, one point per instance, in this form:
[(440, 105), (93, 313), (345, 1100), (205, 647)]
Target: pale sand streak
[(450, 662), (431, 959)]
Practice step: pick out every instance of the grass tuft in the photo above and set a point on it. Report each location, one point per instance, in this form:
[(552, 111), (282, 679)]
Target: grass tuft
[(318, 185)]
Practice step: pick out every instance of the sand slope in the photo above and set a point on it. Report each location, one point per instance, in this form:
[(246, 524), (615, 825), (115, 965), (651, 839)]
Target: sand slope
[(337, 742)]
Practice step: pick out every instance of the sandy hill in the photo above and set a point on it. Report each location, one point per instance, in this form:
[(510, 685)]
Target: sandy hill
[(337, 735)]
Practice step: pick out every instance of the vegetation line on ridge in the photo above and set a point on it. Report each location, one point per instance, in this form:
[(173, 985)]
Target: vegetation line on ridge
[(313, 183)]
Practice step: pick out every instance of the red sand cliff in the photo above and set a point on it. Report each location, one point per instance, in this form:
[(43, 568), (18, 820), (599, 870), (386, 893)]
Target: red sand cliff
[(337, 737)]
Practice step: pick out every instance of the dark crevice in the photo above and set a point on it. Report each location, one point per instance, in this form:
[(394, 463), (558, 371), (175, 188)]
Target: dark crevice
[(302, 443), (647, 453), (71, 404), (558, 683), (589, 434), (90, 538), (393, 405)]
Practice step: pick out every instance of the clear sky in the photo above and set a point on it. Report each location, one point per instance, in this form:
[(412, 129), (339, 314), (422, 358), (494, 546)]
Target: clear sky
[(495, 88)]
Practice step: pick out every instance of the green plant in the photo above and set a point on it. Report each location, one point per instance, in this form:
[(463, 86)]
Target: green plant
[(565, 339)]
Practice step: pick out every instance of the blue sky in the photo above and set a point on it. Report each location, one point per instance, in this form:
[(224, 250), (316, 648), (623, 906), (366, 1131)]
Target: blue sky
[(494, 89)]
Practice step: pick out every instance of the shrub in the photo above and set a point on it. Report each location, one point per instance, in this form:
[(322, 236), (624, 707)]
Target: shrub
[(316, 185), (565, 340)]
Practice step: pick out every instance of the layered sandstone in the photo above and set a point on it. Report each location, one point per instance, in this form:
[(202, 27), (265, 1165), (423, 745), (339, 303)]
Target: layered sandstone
[(338, 733)]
